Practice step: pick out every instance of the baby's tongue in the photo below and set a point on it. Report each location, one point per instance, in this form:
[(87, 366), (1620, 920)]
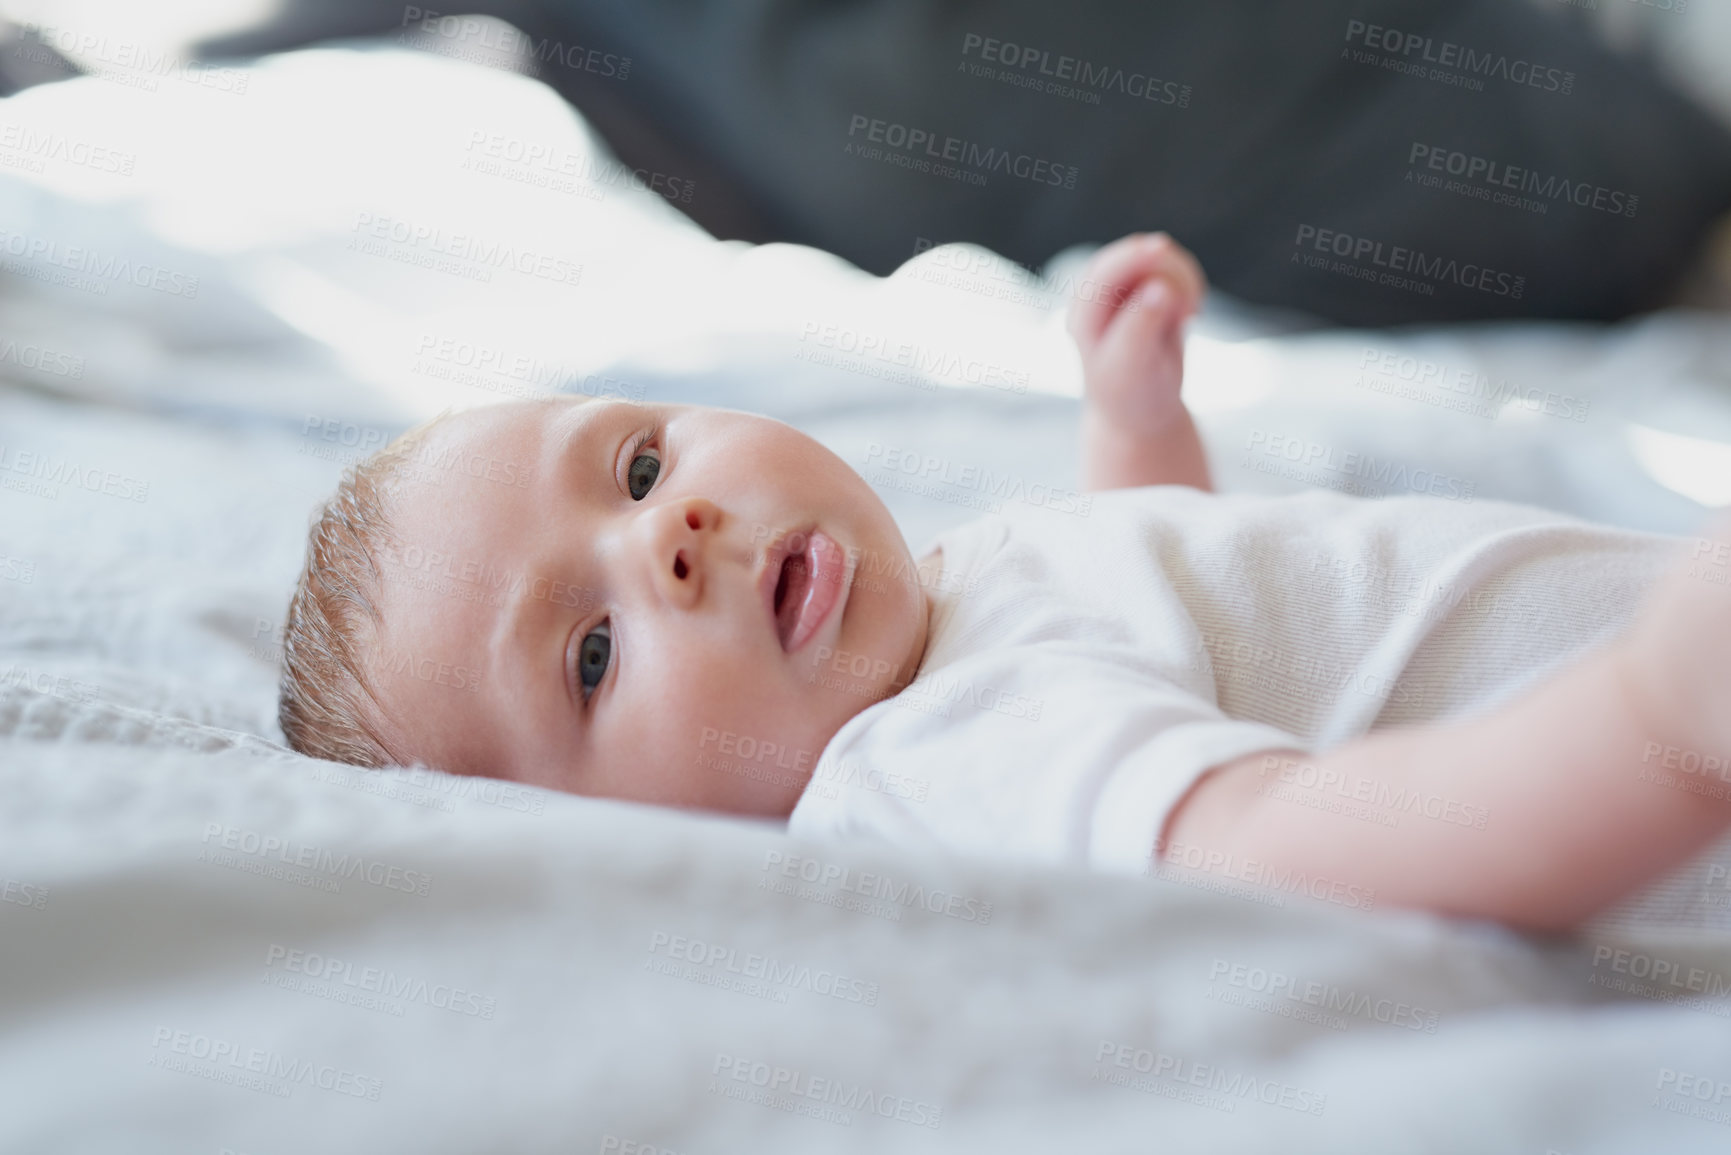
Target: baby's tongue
[(794, 573)]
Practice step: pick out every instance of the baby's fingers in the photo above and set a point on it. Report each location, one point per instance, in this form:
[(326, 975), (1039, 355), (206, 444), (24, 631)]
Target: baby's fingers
[(1113, 276)]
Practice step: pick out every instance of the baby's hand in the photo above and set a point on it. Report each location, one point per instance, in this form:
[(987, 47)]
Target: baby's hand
[(1127, 318), (1679, 649)]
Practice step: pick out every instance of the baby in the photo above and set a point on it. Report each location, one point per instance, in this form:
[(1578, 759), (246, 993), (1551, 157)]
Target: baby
[(1479, 709)]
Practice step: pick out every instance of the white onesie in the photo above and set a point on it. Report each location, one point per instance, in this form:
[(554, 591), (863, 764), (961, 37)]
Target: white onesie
[(1084, 671)]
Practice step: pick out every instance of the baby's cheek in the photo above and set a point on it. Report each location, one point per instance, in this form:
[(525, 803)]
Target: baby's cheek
[(743, 757)]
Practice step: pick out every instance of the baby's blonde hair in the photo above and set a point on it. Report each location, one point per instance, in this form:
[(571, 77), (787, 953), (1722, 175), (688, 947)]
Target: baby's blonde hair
[(326, 706)]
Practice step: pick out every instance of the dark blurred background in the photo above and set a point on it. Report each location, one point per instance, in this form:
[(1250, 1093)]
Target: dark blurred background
[(1505, 159)]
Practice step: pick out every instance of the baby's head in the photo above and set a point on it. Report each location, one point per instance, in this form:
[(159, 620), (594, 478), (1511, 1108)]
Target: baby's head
[(600, 597)]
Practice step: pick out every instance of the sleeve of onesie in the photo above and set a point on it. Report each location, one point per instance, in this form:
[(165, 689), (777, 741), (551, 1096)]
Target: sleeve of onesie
[(1056, 752)]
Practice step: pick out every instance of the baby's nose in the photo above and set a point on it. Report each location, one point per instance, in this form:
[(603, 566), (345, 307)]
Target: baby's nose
[(680, 537)]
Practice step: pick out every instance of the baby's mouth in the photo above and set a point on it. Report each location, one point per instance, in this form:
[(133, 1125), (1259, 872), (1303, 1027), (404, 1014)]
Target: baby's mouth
[(809, 587), (790, 596)]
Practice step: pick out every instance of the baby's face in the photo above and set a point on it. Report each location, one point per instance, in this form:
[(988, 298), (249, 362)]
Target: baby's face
[(609, 626)]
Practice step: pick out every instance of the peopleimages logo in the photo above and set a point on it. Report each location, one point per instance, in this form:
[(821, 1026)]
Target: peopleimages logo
[(1462, 388), (49, 145), (1069, 76), (342, 973), (1376, 793), (52, 471), (1229, 1087), (875, 355), (465, 254), (256, 1068), (102, 268), (936, 153), (23, 893), (1426, 269), (276, 851), (779, 973), (1350, 472), (1499, 175), (1282, 985), (1446, 61), (1664, 977), (130, 63), (795, 1091), (836, 774), (914, 471), (1284, 879), (500, 37), (832, 876)]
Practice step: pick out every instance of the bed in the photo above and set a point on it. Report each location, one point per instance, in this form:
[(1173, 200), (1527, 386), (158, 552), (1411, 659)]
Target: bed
[(232, 290)]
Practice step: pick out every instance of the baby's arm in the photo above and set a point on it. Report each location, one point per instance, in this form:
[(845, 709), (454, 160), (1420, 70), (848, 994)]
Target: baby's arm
[(1577, 812), (1127, 321)]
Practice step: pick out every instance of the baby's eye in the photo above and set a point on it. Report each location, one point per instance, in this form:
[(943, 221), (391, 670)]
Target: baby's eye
[(592, 654), (644, 468)]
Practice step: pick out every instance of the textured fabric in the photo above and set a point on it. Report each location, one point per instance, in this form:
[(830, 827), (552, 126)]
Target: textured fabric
[(1084, 671)]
